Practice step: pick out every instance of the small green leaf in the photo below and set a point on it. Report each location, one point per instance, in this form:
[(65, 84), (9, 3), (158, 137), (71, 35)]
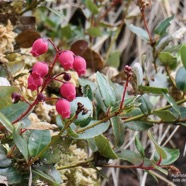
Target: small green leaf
[(104, 147), (6, 123), (114, 59), (153, 90), (93, 131), (94, 31), (91, 6), (165, 115), (172, 156), (171, 102), (13, 111), (145, 104), (139, 146), (161, 152), (20, 143), (183, 55), (87, 92), (118, 131), (180, 81), (162, 26), (167, 59), (138, 31), (134, 158), (138, 125), (4, 160), (37, 141), (105, 90)]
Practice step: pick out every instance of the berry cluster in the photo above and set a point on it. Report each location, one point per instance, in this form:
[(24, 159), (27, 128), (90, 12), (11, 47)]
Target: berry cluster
[(41, 74)]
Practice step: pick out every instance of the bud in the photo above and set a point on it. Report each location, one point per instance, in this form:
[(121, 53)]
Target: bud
[(41, 97), (66, 58), (63, 108), (79, 65), (34, 82), (16, 97), (68, 91), (40, 69), (40, 46), (67, 76)]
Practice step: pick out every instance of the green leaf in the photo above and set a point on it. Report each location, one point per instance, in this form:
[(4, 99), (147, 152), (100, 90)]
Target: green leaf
[(4, 160), (138, 125), (153, 90), (145, 104), (91, 6), (48, 173), (165, 115), (138, 31), (87, 105), (162, 26), (118, 130), (104, 147), (183, 55), (94, 131), (105, 90), (134, 158), (87, 92), (172, 156), (20, 143), (5, 95), (37, 141), (114, 59), (94, 31), (139, 146), (12, 175), (180, 81), (6, 123), (13, 111), (161, 152), (15, 67), (172, 102), (167, 59)]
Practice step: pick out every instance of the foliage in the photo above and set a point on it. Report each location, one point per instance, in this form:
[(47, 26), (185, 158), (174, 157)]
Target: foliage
[(105, 108)]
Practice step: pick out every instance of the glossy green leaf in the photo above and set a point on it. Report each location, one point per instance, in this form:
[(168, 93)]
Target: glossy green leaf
[(105, 90), (139, 146), (165, 115), (118, 131), (4, 160), (6, 123), (94, 31), (182, 116), (5, 95), (37, 141), (172, 156), (172, 102), (13, 111), (138, 31), (91, 6), (134, 158), (13, 176), (153, 90), (87, 92), (20, 143), (145, 104), (114, 59), (138, 125), (48, 173), (93, 131), (87, 105), (162, 26), (180, 81), (104, 147), (167, 59), (161, 152), (183, 55)]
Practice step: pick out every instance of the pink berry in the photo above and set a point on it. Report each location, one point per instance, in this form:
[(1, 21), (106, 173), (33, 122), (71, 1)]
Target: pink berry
[(68, 91), (40, 46), (40, 69), (34, 82), (66, 58), (79, 65), (63, 108)]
